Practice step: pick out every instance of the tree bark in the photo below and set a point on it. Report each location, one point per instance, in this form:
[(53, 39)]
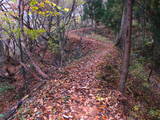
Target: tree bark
[(119, 38), (20, 25), (156, 49), (127, 47), (1, 49)]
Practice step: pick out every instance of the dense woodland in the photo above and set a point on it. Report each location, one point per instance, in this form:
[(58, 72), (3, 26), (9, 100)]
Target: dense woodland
[(79, 60)]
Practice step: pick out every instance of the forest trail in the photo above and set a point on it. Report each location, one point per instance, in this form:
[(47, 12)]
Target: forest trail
[(75, 93)]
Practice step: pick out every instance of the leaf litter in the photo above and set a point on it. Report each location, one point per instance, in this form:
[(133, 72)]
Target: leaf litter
[(77, 94)]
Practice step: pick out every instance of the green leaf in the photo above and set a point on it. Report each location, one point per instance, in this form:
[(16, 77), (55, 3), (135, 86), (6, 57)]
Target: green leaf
[(14, 1), (136, 108), (1, 115)]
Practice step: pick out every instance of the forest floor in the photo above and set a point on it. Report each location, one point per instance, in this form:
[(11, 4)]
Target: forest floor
[(86, 87), (75, 93)]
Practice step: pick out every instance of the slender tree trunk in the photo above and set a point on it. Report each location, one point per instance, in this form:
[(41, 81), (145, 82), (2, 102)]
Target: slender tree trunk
[(155, 25), (119, 38), (156, 49), (59, 32), (21, 41), (20, 25), (127, 48), (1, 49)]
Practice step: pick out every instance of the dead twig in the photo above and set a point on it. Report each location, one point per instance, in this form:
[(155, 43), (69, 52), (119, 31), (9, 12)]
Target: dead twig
[(10, 114)]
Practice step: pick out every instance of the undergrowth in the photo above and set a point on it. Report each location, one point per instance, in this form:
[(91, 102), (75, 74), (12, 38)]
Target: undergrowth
[(4, 87), (144, 102), (146, 98)]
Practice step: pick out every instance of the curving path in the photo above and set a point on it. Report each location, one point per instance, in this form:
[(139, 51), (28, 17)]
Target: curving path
[(75, 93)]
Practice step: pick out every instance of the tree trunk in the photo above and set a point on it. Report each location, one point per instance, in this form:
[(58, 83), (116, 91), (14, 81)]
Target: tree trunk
[(155, 25), (2, 58), (59, 33), (21, 42), (1, 49), (127, 48), (20, 25), (156, 49), (119, 38)]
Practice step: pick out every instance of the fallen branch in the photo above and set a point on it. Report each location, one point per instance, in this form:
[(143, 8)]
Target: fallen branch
[(38, 69), (26, 67), (10, 114)]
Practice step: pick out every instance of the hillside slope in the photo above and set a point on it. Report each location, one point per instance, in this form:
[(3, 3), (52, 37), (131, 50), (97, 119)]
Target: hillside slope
[(75, 93)]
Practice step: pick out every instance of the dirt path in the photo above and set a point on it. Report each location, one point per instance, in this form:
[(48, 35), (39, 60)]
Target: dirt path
[(76, 94)]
